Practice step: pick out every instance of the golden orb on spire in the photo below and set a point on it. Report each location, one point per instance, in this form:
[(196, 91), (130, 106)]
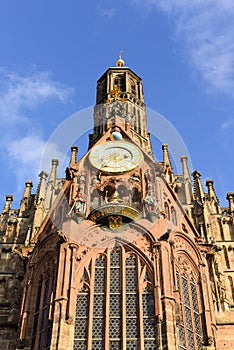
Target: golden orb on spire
[(120, 61)]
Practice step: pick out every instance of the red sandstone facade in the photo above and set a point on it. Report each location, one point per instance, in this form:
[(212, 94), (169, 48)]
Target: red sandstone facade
[(129, 255)]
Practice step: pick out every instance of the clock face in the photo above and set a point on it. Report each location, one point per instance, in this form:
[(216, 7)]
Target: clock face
[(115, 156)]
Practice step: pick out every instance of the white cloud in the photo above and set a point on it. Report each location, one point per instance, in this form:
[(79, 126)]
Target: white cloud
[(18, 93), (206, 30), (20, 96), (25, 156), (106, 12)]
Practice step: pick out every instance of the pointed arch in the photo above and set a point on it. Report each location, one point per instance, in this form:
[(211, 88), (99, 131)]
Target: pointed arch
[(184, 243), (40, 301), (189, 328), (37, 310), (188, 285), (231, 286), (167, 210), (173, 216), (226, 257), (119, 301)]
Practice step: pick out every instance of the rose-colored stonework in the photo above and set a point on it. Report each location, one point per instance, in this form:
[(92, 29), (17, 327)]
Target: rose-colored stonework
[(122, 253)]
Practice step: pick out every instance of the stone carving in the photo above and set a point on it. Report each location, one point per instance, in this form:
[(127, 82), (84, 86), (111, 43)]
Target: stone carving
[(81, 183), (78, 207), (108, 191), (80, 204), (95, 180), (182, 244), (95, 199), (150, 203), (80, 251), (115, 222), (214, 296), (149, 176), (70, 173), (144, 244), (117, 109)]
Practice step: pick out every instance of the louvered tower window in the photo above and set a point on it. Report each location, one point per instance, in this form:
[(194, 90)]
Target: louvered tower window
[(116, 305), (120, 82), (190, 332)]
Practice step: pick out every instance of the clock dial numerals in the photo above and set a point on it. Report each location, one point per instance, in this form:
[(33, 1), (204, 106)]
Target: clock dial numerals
[(115, 156)]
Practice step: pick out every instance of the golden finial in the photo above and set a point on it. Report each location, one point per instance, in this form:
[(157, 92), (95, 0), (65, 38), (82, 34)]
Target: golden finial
[(120, 61)]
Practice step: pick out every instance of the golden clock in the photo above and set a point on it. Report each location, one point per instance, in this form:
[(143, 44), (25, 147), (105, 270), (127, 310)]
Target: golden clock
[(115, 156)]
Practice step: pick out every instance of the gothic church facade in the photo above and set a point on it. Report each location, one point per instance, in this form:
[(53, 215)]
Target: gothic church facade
[(121, 253)]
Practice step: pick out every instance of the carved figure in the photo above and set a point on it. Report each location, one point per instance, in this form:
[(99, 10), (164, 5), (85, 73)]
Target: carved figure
[(150, 203), (79, 205), (149, 176)]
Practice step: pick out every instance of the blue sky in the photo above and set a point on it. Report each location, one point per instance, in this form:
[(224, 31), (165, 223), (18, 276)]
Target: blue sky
[(52, 53)]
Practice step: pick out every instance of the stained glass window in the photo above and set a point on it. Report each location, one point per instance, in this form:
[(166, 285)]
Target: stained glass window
[(148, 318), (132, 313), (42, 327), (115, 314), (44, 313), (116, 297), (81, 320), (190, 332), (36, 314), (98, 321), (197, 321)]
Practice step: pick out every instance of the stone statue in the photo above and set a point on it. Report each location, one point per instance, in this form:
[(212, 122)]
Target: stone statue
[(150, 203)]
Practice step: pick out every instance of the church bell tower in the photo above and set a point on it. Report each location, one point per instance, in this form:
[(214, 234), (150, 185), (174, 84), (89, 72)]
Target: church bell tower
[(120, 102)]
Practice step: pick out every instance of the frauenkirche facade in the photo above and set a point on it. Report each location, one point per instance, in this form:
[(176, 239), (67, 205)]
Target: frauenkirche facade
[(122, 253)]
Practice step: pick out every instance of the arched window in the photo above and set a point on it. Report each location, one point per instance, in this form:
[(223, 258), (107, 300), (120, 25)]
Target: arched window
[(167, 211), (173, 216), (226, 257), (139, 90), (190, 333), (139, 122), (42, 327), (36, 313), (120, 82), (81, 323), (133, 89), (231, 287), (116, 306)]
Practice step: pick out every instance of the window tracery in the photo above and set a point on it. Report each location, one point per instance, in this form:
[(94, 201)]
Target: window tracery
[(36, 313), (190, 332), (119, 294), (42, 326)]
